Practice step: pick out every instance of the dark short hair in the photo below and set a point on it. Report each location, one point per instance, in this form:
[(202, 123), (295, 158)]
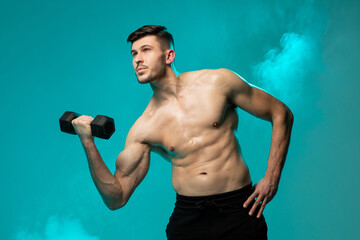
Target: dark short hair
[(153, 30)]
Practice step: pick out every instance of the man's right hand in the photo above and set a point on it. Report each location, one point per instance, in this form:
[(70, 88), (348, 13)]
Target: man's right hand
[(82, 127)]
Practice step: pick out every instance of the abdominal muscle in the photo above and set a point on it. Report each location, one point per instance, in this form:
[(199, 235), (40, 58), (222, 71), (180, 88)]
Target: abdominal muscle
[(216, 168)]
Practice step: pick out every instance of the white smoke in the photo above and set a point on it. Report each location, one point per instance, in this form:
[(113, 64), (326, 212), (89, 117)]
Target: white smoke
[(284, 70), (56, 229)]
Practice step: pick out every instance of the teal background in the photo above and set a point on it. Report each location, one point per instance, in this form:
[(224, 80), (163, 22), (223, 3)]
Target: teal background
[(72, 55)]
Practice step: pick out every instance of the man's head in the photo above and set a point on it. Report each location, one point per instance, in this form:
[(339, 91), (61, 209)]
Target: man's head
[(153, 50)]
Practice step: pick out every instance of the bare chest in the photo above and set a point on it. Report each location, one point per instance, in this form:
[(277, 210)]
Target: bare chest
[(193, 121)]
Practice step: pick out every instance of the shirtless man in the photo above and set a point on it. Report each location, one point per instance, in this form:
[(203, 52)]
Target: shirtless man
[(191, 121)]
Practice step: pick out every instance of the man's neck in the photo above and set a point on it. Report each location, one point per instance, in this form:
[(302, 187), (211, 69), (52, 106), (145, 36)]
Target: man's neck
[(167, 87)]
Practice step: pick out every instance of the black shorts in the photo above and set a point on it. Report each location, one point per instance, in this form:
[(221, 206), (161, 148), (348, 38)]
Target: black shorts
[(220, 216)]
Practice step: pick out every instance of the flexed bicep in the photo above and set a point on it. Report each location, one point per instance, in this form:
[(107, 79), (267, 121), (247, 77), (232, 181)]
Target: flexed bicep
[(132, 165)]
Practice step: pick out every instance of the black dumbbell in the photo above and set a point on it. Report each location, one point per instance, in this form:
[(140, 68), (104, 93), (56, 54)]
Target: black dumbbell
[(101, 126)]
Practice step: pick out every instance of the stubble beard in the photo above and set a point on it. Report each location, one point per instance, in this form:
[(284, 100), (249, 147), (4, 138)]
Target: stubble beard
[(156, 73)]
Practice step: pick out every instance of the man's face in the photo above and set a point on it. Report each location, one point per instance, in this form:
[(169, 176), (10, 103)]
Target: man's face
[(148, 59)]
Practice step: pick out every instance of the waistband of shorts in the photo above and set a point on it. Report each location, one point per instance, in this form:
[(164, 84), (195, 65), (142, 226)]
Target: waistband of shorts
[(220, 197)]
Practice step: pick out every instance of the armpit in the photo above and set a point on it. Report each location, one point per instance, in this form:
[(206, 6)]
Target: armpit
[(161, 151)]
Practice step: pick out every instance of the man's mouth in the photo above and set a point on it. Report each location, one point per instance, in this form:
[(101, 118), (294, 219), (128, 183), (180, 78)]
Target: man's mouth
[(141, 69)]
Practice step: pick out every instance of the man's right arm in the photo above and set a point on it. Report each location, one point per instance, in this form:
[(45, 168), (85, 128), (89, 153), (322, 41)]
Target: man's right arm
[(132, 164)]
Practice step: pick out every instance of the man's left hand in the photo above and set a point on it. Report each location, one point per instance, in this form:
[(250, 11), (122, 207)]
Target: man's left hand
[(264, 192)]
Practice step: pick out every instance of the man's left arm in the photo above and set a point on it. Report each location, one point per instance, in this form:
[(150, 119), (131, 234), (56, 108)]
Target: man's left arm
[(261, 104)]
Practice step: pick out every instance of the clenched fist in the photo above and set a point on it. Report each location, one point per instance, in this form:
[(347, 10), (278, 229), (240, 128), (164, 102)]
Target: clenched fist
[(82, 127)]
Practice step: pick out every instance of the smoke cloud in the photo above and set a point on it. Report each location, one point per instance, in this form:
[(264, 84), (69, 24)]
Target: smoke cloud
[(284, 69), (58, 229)]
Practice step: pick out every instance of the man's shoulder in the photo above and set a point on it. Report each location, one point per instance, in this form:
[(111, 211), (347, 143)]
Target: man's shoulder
[(207, 71), (209, 76), (139, 130), (215, 77)]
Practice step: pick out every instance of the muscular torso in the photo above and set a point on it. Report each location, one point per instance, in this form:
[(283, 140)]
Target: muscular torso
[(195, 131)]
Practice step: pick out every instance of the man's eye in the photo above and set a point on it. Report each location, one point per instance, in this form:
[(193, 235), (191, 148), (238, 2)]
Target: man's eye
[(146, 49)]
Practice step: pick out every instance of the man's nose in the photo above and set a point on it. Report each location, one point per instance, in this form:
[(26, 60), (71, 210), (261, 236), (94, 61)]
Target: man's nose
[(138, 59)]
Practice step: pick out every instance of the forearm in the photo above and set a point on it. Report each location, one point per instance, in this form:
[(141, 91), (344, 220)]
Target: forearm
[(280, 141), (108, 186)]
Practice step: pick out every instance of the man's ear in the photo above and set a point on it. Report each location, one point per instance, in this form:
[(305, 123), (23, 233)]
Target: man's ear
[(170, 56)]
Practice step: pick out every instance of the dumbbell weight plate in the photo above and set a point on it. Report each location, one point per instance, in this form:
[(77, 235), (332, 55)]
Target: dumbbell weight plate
[(65, 122), (102, 127)]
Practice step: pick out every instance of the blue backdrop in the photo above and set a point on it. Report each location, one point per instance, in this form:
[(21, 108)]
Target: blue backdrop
[(72, 55)]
